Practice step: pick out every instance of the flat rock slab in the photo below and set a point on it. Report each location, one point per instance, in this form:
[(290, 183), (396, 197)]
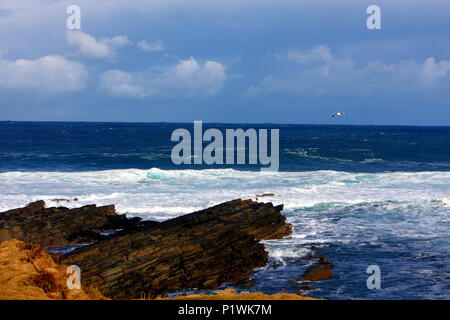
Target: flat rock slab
[(60, 226), (199, 250)]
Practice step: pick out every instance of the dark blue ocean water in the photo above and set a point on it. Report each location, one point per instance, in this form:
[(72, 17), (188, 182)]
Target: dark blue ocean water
[(362, 195), (59, 146)]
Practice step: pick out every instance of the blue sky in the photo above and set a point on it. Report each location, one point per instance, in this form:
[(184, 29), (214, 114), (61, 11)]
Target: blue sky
[(226, 61)]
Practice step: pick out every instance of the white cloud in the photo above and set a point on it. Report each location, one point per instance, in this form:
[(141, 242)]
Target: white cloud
[(317, 54), (50, 73), (117, 41), (151, 46), (86, 45), (121, 83), (433, 71), (187, 78), (318, 71)]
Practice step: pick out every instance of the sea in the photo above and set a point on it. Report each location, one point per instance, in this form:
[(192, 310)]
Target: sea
[(358, 195)]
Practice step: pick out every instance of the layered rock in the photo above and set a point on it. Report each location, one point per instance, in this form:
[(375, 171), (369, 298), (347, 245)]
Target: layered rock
[(60, 226), (142, 258), (200, 250)]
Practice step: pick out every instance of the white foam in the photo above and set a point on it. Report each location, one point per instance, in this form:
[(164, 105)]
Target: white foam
[(180, 191)]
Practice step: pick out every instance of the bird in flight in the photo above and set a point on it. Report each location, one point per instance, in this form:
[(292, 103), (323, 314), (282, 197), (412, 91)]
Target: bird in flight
[(337, 114)]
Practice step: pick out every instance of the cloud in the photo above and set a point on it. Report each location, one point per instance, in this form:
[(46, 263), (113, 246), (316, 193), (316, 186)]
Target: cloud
[(151, 46), (317, 54), (54, 74), (318, 72), (432, 71), (187, 78), (121, 83), (87, 46), (117, 41)]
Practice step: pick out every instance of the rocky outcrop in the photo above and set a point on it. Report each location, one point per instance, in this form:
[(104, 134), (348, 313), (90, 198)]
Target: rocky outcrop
[(61, 226), (318, 271), (200, 250)]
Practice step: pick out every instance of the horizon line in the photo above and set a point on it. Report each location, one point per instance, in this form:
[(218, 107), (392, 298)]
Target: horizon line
[(225, 123)]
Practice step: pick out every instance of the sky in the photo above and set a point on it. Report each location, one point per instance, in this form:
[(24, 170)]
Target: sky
[(247, 61)]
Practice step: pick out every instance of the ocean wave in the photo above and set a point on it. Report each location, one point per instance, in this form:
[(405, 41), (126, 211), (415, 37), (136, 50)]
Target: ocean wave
[(373, 160), (178, 191), (311, 153)]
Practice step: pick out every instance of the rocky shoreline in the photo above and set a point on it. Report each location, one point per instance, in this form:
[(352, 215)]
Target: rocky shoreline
[(127, 258)]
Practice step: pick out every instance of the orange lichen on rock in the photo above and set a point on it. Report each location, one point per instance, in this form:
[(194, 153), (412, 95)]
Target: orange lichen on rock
[(28, 272), (229, 294)]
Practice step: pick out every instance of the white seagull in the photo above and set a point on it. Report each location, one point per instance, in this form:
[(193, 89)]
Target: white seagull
[(337, 114)]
